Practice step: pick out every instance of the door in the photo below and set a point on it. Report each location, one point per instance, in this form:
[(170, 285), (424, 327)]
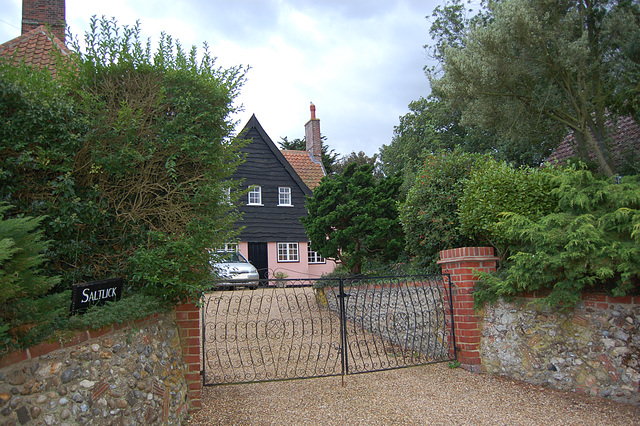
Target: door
[(259, 258)]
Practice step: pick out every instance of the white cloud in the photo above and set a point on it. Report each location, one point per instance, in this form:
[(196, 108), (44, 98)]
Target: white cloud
[(359, 61)]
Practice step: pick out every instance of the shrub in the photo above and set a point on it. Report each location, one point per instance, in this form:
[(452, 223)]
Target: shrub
[(429, 214), (592, 242), (21, 259), (495, 188)]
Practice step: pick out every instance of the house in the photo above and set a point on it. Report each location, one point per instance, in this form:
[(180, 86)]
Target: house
[(43, 39), (278, 182)]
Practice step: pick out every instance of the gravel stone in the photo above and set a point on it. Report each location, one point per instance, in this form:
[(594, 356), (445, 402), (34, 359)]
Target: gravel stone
[(424, 395)]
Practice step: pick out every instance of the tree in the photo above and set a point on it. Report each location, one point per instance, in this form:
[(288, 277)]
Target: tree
[(329, 157), (533, 69), (353, 216), (359, 158), (430, 126), (495, 188)]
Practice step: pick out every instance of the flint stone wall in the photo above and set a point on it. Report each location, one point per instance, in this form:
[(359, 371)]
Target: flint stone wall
[(130, 376), (593, 349)]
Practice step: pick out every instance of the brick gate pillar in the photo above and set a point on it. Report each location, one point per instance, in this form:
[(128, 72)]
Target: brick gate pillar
[(188, 319), (461, 264)]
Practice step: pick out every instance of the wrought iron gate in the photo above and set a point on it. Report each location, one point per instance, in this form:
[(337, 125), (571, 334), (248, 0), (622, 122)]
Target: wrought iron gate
[(325, 327)]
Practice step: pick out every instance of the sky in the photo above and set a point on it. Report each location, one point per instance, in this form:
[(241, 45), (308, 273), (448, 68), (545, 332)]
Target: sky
[(359, 61)]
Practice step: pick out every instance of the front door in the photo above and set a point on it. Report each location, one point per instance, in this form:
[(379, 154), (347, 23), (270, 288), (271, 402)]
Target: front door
[(259, 258)]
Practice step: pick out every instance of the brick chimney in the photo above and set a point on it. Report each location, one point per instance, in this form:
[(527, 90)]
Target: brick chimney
[(312, 135), (44, 12)]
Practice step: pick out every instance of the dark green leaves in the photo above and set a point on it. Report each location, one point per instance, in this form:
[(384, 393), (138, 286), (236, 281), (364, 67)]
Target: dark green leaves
[(353, 216)]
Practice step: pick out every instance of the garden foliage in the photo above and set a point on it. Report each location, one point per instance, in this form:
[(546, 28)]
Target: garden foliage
[(496, 187), (353, 217), (429, 214), (590, 243), (125, 156)]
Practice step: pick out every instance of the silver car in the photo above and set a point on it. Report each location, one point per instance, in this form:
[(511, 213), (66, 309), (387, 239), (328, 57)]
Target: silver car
[(231, 269)]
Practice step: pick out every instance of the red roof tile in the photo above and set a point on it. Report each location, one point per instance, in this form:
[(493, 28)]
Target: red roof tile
[(36, 47), (626, 139), (310, 171)]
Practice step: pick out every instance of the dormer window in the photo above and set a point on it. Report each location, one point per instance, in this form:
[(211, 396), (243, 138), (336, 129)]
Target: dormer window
[(284, 196), (255, 196)]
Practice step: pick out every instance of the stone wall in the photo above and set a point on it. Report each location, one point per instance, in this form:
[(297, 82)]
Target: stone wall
[(131, 376), (592, 349)]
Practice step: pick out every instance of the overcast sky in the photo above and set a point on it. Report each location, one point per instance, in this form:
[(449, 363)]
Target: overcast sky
[(359, 61)]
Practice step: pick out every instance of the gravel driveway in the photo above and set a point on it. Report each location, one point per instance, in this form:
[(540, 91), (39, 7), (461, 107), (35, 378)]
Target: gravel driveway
[(431, 394)]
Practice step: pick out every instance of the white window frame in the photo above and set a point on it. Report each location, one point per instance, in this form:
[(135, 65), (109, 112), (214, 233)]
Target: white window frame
[(313, 257), (288, 252), (254, 196), (231, 247), (284, 196), (227, 195)]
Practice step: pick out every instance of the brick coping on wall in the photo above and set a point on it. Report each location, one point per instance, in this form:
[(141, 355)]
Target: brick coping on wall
[(68, 341), (188, 320)]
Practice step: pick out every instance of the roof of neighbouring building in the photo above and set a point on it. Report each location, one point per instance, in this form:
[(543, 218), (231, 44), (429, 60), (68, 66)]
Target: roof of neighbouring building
[(626, 138), (38, 47), (310, 171)]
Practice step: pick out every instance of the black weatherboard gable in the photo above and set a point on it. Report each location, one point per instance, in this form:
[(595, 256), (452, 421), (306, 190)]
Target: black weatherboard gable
[(266, 167)]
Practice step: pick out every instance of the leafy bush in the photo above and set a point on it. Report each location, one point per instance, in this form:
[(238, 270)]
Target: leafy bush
[(127, 153), (47, 317), (592, 242), (21, 260), (494, 188), (429, 214)]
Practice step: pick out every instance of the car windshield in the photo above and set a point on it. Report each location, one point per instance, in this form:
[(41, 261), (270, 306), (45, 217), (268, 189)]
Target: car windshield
[(230, 257)]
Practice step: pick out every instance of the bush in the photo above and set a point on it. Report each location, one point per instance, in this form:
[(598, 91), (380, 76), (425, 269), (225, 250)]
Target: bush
[(429, 214), (591, 243), (21, 260), (495, 188)]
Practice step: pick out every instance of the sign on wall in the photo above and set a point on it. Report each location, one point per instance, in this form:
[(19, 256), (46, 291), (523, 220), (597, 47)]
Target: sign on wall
[(85, 295)]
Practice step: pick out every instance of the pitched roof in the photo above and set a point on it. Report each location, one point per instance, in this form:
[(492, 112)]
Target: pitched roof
[(626, 139), (38, 47), (309, 170), (254, 123)]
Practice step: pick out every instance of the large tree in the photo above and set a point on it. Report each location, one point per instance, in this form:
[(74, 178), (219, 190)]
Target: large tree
[(534, 69), (353, 216)]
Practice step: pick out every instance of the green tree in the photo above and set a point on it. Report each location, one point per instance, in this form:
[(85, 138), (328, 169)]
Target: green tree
[(429, 214), (533, 69), (429, 127), (329, 156), (353, 217), (360, 158)]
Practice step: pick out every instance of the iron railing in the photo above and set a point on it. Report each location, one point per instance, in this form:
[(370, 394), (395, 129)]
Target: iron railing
[(325, 327)]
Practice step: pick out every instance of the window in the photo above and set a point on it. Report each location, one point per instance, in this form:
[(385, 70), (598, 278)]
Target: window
[(284, 196), (231, 247), (314, 256), (288, 252), (227, 196), (255, 196)]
